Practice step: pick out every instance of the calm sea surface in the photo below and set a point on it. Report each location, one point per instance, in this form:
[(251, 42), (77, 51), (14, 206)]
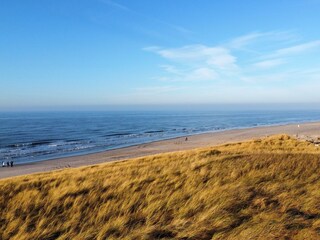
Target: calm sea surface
[(29, 137)]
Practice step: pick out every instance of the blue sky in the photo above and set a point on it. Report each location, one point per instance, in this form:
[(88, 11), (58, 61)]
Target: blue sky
[(60, 53)]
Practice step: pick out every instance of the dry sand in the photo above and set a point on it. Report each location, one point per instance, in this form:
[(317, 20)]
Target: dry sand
[(305, 131)]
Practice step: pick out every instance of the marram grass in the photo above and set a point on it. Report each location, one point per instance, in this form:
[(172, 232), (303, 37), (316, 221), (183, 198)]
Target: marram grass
[(263, 189)]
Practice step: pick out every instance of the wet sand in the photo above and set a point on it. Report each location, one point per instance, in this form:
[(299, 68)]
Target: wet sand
[(305, 131)]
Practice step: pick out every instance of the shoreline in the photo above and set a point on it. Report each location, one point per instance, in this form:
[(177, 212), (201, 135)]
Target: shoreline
[(307, 129), (161, 140)]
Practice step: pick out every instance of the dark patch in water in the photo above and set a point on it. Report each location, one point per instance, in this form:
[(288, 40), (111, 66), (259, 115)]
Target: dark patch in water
[(73, 140), (41, 142), (156, 131), (117, 134)]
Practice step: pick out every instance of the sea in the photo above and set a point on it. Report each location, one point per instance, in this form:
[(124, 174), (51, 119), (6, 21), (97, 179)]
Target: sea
[(35, 136)]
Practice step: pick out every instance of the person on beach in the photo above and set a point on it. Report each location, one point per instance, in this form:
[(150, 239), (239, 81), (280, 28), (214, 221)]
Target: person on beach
[(186, 139), (11, 163), (3, 164), (8, 164)]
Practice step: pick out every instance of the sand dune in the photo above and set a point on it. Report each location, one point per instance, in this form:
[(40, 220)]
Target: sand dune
[(260, 189)]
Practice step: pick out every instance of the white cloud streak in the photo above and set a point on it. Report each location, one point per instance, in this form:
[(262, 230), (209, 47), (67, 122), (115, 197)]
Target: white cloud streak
[(275, 36), (124, 8), (269, 63), (211, 56), (300, 48), (195, 62), (117, 5), (259, 63)]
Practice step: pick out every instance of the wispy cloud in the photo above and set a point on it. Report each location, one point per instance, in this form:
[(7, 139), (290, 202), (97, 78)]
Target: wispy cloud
[(297, 49), (195, 62), (117, 5), (254, 58), (121, 7), (244, 41), (269, 63), (211, 56)]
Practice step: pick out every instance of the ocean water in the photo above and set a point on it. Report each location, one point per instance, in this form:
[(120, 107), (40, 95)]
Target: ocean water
[(29, 137)]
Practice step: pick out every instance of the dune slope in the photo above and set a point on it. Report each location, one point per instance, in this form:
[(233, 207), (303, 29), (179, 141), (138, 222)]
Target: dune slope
[(262, 189)]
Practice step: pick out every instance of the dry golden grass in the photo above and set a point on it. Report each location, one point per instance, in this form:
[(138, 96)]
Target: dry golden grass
[(263, 189)]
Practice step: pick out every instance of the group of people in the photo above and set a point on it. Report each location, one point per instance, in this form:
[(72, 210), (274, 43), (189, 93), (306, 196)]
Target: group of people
[(8, 164)]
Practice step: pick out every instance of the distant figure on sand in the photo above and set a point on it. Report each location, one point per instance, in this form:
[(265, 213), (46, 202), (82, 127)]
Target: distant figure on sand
[(3, 164), (8, 164), (186, 139), (11, 163)]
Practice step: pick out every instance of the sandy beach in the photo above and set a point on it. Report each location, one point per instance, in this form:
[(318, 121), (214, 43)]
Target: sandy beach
[(304, 131)]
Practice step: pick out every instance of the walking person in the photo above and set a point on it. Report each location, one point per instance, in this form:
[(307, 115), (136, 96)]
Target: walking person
[(3, 164), (8, 164), (11, 163)]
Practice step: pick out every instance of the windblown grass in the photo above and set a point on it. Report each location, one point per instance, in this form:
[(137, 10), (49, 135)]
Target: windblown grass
[(263, 189)]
